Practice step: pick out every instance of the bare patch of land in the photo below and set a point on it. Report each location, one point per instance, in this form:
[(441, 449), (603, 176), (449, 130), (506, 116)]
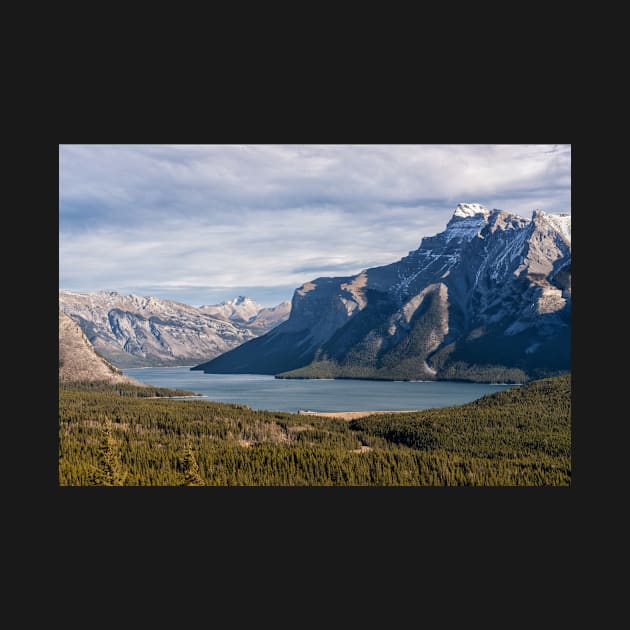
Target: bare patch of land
[(362, 449), (352, 415)]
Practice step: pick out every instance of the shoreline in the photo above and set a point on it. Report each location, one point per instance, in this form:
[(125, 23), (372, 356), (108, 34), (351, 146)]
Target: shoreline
[(281, 377), (153, 367), (388, 380), (352, 415), (176, 397)]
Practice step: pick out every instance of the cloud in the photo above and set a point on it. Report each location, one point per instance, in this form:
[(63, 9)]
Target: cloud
[(184, 220)]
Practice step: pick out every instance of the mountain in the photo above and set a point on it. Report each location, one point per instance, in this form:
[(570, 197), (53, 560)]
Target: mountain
[(248, 313), (489, 298), (239, 309), (137, 331), (78, 360)]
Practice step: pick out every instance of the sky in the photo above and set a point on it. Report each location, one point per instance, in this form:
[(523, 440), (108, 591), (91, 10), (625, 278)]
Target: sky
[(200, 224)]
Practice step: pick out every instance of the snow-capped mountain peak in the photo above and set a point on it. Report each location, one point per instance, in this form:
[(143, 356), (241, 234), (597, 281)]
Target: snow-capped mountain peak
[(466, 222), (241, 308), (239, 299), (465, 210), (243, 302)]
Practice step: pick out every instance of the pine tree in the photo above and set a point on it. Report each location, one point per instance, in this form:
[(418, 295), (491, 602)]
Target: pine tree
[(109, 471), (192, 477)]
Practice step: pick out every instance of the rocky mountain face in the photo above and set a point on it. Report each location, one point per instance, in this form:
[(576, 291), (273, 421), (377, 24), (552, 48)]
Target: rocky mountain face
[(269, 317), (77, 359), (136, 331), (489, 298)]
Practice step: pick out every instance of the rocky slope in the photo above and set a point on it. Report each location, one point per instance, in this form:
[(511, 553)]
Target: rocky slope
[(489, 298), (77, 359), (137, 331)]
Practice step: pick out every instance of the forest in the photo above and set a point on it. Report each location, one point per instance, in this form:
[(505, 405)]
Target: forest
[(122, 435), (124, 390), (459, 371)]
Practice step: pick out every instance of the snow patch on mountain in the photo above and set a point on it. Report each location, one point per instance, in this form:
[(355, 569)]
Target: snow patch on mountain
[(465, 210), (467, 221), (511, 254), (562, 223), (465, 230)]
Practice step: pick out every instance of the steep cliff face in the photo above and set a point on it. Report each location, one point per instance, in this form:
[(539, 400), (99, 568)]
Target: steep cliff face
[(488, 298), (79, 362)]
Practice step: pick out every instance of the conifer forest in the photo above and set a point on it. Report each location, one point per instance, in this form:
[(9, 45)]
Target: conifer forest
[(115, 435)]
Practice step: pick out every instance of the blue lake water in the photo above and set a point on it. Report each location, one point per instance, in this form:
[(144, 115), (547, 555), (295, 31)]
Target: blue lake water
[(260, 391)]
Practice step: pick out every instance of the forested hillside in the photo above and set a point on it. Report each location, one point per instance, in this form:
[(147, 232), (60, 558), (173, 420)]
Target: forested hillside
[(520, 436)]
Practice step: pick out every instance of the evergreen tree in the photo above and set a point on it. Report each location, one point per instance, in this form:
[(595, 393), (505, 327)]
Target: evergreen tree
[(192, 477), (109, 471)]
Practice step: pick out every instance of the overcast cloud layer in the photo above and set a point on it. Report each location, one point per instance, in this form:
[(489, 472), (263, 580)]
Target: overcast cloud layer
[(201, 224)]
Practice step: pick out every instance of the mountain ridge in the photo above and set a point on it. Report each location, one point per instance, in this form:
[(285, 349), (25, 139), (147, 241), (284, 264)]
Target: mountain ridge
[(144, 331), (488, 298)]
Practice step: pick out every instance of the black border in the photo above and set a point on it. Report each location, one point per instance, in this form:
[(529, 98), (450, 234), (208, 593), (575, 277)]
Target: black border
[(395, 522)]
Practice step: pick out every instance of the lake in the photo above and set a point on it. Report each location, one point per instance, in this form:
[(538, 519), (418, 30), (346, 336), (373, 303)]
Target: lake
[(260, 391)]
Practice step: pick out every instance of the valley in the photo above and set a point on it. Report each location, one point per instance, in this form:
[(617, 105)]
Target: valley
[(114, 430)]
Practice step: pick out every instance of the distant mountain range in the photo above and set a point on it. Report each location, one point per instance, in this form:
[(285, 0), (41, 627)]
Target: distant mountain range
[(487, 299), (243, 311), (137, 331), (79, 362)]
